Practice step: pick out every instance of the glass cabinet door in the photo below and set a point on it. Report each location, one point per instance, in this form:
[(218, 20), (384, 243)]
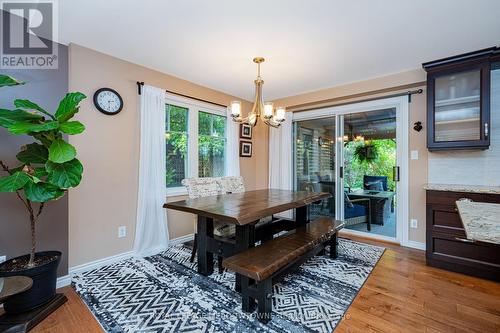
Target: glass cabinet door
[(457, 107)]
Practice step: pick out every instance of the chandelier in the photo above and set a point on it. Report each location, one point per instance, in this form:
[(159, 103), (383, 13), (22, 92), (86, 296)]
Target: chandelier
[(270, 116)]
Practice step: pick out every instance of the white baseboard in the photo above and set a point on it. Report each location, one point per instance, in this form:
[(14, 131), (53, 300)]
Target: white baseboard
[(180, 240), (100, 262), (415, 245), (64, 281)]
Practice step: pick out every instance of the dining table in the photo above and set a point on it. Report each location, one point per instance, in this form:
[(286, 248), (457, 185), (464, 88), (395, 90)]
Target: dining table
[(244, 210)]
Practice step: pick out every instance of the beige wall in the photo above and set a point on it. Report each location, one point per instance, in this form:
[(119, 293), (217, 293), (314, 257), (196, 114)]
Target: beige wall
[(417, 141), (109, 150)]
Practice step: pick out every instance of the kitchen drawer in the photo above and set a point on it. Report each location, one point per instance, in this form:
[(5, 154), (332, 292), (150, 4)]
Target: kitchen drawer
[(465, 251), (444, 216)]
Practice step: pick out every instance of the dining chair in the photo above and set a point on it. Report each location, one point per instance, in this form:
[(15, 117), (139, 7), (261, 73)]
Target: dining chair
[(204, 187)]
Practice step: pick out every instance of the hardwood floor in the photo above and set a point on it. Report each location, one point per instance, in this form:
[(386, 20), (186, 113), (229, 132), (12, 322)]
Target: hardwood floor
[(401, 295)]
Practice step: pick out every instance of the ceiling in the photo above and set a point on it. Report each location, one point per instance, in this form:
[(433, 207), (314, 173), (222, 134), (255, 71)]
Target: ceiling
[(308, 45)]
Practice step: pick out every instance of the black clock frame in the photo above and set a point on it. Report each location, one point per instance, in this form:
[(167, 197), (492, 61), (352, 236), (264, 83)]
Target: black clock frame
[(101, 109)]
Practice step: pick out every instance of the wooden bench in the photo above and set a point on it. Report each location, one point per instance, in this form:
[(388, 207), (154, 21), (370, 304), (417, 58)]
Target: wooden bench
[(259, 266)]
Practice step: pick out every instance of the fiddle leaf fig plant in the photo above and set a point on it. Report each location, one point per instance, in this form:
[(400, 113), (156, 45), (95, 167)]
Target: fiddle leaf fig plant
[(48, 167)]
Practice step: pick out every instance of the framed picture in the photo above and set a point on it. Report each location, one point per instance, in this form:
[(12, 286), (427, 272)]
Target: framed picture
[(245, 149), (245, 131)]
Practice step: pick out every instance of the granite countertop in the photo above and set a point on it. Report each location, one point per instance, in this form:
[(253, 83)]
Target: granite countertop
[(481, 220), (463, 188)]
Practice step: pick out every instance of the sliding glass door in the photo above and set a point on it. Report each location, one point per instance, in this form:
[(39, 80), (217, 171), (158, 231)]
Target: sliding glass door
[(369, 150), (314, 161), (353, 152)]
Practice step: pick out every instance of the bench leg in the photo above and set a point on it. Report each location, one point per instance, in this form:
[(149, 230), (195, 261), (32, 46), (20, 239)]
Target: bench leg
[(333, 246), (245, 239), (265, 300), (322, 252), (247, 302)]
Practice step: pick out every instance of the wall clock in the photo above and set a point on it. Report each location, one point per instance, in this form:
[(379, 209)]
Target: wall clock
[(108, 101)]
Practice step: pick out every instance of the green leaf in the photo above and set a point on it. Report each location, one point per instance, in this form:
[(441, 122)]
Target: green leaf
[(29, 105), (33, 153), (42, 192), (65, 175), (11, 117), (14, 182), (69, 106), (72, 127), (25, 128), (60, 151), (6, 81), (40, 172)]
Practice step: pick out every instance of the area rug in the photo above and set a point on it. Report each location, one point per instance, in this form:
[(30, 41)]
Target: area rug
[(164, 293)]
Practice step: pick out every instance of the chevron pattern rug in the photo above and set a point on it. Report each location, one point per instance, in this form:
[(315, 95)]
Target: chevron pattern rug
[(164, 293)]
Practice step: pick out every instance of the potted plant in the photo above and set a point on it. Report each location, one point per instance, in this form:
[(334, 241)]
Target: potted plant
[(47, 168)]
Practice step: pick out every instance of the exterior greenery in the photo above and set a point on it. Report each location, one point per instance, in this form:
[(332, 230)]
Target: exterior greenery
[(48, 167), (380, 161), (211, 144)]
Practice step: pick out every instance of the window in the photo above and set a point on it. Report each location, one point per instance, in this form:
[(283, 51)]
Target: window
[(176, 136), (211, 145), (195, 135)]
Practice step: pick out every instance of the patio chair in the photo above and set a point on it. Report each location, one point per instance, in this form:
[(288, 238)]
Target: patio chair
[(378, 183), (357, 211)]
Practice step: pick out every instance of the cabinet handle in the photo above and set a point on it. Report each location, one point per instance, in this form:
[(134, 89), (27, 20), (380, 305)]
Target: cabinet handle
[(464, 240), (486, 131)]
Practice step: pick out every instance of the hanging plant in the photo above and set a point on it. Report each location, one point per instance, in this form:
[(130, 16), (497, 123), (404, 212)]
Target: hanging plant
[(366, 153)]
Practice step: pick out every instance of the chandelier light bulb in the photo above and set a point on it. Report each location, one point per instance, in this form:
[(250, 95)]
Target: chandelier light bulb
[(280, 113), (268, 110), (236, 109)]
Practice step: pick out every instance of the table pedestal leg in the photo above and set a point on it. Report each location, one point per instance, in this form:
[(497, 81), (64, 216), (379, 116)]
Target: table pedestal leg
[(245, 239), (301, 215), (205, 258)]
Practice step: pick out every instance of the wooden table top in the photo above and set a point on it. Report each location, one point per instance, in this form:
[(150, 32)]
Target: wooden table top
[(247, 207), (13, 285)]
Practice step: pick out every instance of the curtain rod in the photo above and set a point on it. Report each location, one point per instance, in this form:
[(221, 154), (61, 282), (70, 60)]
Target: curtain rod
[(325, 103), (139, 91)]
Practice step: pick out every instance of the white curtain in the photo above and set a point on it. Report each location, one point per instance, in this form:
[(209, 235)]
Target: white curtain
[(280, 158), (232, 146), (151, 234)]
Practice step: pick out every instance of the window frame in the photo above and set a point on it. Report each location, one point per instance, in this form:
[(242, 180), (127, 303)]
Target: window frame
[(194, 107)]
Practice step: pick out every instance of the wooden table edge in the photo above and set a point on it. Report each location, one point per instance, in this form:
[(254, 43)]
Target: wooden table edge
[(243, 221)]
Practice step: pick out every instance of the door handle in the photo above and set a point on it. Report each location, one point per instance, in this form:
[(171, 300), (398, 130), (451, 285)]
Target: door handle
[(395, 173), (464, 240), (341, 171)]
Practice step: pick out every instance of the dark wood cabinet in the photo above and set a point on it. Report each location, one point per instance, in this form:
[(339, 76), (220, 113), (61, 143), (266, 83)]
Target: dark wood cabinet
[(447, 245), (458, 101)]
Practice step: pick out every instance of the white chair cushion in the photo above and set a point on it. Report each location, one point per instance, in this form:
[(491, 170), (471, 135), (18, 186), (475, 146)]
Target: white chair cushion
[(201, 187), (231, 184)]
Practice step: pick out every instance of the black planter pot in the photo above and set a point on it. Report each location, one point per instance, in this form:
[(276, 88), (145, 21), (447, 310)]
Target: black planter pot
[(44, 284)]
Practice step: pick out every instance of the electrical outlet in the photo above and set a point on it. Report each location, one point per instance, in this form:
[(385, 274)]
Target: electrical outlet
[(414, 223), (414, 154), (122, 231), (2, 259)]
